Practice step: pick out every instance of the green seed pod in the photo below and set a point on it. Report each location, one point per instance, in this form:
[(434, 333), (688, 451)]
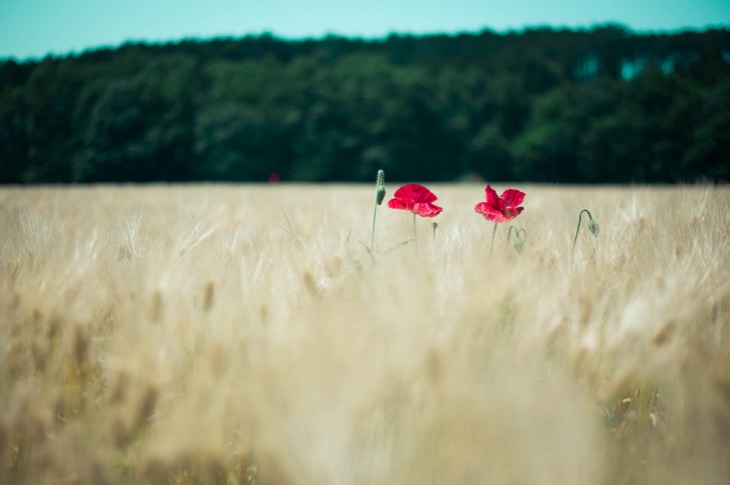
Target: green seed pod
[(380, 188)]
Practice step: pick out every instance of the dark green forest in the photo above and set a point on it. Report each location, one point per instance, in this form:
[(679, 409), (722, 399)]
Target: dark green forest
[(599, 105)]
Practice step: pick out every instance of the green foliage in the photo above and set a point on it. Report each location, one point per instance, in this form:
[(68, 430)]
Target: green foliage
[(603, 105)]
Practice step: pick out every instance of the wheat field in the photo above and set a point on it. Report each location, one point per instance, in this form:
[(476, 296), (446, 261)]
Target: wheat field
[(245, 335)]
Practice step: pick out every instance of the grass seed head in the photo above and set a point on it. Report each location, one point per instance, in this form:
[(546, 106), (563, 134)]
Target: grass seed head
[(156, 307), (146, 405), (208, 295), (4, 441), (311, 285), (119, 389), (81, 344)]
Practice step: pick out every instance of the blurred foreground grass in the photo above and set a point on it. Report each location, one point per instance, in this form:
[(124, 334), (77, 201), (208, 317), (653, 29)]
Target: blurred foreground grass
[(242, 334)]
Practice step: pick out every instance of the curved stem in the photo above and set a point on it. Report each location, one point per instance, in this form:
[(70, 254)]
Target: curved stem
[(494, 233), (509, 233), (372, 237), (580, 218)]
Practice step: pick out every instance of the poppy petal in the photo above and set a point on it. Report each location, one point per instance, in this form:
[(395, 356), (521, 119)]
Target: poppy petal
[(490, 213), (492, 198), (426, 210), (483, 207), (415, 192), (512, 212), (403, 192), (496, 217), (513, 197), (426, 196), (400, 203)]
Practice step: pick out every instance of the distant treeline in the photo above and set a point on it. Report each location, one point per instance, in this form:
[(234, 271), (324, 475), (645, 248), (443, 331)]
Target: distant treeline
[(603, 105)]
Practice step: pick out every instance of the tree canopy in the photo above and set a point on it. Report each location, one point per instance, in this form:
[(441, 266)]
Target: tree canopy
[(603, 105)]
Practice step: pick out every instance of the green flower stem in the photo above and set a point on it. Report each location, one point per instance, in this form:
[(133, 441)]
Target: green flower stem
[(519, 239), (494, 233), (372, 237), (379, 196), (509, 233), (415, 236), (580, 218)]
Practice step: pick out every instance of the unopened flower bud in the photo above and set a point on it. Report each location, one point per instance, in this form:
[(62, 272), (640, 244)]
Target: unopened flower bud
[(518, 243), (380, 188), (593, 227)]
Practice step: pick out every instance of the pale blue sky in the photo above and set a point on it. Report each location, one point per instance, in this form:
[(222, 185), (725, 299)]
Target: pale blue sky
[(34, 28)]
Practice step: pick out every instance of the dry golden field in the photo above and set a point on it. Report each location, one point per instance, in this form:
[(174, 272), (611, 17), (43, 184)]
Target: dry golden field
[(243, 334)]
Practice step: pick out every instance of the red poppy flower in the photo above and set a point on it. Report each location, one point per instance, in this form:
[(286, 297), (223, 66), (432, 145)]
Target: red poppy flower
[(415, 198), (501, 208)]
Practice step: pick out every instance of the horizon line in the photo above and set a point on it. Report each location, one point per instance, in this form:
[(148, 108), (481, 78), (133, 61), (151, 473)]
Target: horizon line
[(267, 33)]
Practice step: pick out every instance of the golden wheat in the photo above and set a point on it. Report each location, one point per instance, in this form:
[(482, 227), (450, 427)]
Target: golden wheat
[(243, 334)]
